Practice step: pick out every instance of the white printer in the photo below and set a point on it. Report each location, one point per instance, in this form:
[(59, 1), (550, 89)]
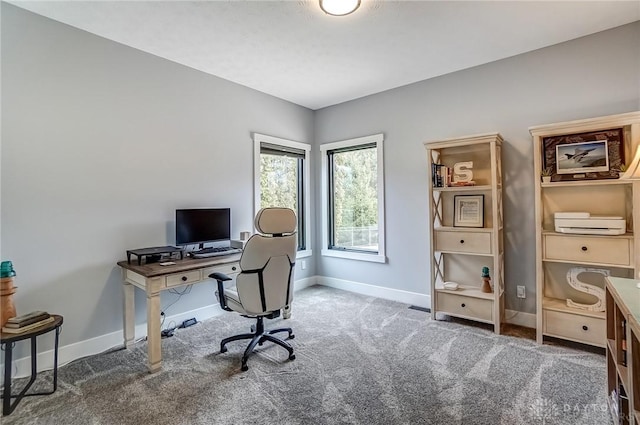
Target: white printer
[(585, 224)]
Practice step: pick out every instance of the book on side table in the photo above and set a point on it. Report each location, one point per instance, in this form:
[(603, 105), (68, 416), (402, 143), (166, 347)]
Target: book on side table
[(27, 322)]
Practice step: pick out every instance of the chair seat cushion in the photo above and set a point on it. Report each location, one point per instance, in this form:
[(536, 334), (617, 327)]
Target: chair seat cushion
[(233, 302)]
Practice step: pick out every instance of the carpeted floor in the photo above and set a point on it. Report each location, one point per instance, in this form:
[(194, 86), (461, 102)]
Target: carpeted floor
[(360, 360)]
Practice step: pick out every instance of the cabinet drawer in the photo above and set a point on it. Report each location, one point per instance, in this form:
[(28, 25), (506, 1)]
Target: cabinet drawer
[(472, 242), (228, 269), (183, 278), (459, 305), (615, 251), (589, 330)]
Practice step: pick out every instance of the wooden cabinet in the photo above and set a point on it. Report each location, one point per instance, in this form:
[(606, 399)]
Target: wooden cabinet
[(458, 254), (559, 255), (623, 349)]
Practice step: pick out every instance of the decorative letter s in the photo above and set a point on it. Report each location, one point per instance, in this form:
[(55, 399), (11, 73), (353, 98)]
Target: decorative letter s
[(572, 278), (462, 171)]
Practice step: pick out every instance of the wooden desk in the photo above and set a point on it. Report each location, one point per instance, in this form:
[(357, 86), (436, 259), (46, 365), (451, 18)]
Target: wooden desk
[(154, 278)]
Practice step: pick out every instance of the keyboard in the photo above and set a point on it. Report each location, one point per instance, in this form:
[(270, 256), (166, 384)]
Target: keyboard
[(214, 252)]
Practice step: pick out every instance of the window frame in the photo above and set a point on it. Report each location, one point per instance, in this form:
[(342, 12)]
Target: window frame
[(258, 139), (327, 250)]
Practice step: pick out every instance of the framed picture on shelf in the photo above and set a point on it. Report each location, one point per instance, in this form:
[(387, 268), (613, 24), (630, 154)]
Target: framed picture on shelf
[(584, 156), (468, 211)]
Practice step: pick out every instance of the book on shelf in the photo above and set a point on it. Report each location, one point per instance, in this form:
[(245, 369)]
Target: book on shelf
[(441, 175), (28, 328), (462, 184), (27, 316), (27, 320), (623, 343)]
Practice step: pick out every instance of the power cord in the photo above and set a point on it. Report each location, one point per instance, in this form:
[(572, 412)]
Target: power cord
[(168, 332)]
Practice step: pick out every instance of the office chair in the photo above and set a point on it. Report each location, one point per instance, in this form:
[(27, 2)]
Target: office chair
[(265, 282)]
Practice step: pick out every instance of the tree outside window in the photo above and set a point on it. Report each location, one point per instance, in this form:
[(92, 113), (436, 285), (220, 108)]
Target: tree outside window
[(281, 185), (281, 170), (354, 198)]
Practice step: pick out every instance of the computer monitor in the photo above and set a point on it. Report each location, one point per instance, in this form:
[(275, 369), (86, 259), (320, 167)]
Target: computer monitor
[(198, 226)]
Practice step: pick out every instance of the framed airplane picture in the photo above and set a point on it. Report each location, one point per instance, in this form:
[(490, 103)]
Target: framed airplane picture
[(584, 156)]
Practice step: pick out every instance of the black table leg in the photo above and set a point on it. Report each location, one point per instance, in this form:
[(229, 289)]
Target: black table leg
[(7, 407), (55, 362), (6, 393)]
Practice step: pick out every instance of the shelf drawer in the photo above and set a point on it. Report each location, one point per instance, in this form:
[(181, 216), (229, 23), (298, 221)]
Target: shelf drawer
[(463, 242), (459, 305), (575, 327), (183, 278), (615, 251)]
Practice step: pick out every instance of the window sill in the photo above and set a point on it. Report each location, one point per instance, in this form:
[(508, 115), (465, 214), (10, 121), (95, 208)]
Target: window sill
[(375, 258), (304, 254)]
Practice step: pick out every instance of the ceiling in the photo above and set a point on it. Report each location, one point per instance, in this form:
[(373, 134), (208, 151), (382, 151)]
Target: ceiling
[(292, 50)]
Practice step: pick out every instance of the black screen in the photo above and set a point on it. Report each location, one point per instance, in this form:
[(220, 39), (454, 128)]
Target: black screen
[(203, 225)]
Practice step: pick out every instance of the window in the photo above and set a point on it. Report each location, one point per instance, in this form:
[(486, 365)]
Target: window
[(282, 180), (353, 199)]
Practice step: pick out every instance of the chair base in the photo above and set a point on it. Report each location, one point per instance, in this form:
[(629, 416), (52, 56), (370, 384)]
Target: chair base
[(258, 337)]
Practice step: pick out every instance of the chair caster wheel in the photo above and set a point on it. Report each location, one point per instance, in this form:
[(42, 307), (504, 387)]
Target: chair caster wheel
[(244, 368), (292, 336), (292, 357), (223, 349)]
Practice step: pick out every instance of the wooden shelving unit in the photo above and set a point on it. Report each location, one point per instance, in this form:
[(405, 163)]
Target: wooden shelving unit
[(459, 253), (558, 253), (623, 349)]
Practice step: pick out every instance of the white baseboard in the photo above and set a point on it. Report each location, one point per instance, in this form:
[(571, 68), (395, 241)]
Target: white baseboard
[(70, 352), (413, 298), (88, 347), (304, 283), (511, 316), (520, 318)]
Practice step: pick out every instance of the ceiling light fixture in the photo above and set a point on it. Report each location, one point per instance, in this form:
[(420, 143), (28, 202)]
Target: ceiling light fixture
[(339, 7)]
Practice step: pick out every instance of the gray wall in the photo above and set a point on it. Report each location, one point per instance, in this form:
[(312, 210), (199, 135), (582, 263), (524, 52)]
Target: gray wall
[(592, 76), (100, 144)]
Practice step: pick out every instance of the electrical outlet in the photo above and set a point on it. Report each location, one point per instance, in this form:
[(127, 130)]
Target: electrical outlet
[(303, 264), (521, 292)]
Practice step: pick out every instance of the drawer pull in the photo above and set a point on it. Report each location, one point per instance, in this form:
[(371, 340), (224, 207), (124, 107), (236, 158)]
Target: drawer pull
[(585, 327), (184, 278), (461, 240), (463, 305), (584, 248)]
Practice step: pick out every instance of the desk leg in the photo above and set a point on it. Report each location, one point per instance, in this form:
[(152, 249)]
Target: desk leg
[(154, 352), (129, 318)]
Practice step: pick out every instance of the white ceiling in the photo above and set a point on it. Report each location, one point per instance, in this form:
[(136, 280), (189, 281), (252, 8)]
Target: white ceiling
[(292, 50)]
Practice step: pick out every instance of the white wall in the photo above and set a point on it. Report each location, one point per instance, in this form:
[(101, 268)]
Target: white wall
[(592, 76), (100, 144)]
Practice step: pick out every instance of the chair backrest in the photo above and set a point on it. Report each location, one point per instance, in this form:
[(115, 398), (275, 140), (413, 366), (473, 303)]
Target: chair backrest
[(265, 282)]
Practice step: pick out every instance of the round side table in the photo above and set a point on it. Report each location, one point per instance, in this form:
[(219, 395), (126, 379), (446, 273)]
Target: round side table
[(7, 342)]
